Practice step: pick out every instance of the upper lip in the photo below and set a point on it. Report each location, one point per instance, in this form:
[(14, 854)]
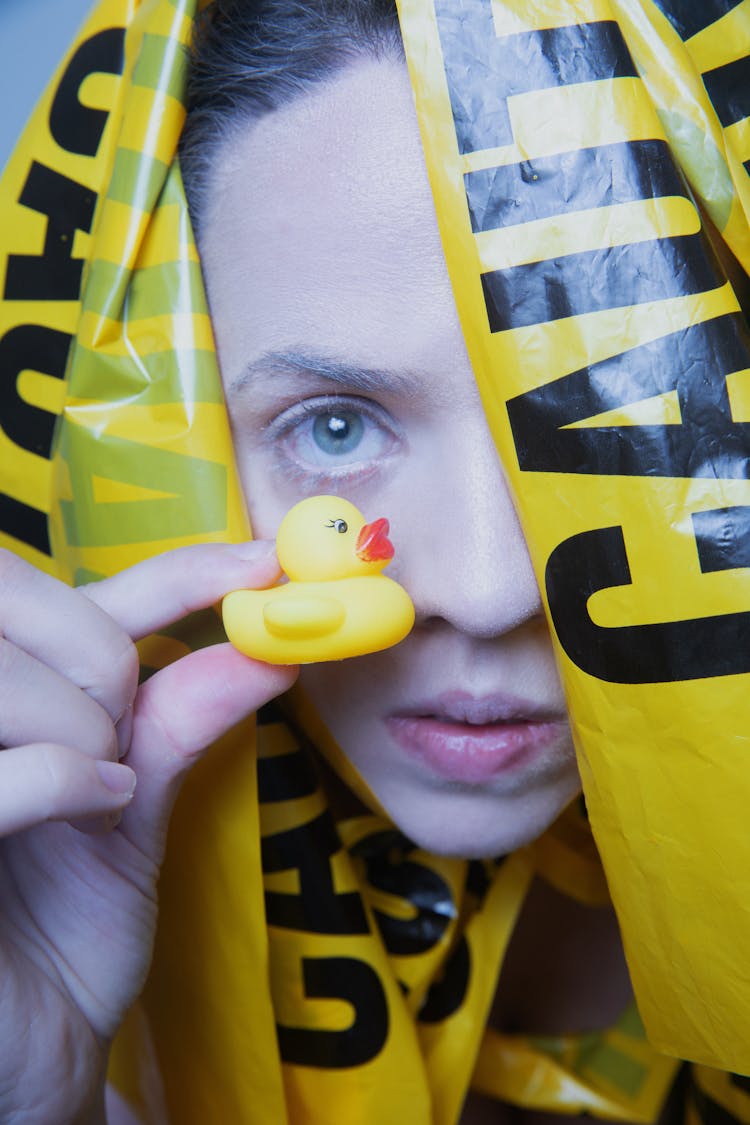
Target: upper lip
[(479, 710)]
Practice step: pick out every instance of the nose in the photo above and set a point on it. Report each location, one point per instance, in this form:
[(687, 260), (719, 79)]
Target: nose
[(464, 559)]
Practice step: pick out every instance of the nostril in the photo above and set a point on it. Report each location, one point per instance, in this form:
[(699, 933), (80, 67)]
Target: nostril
[(493, 606)]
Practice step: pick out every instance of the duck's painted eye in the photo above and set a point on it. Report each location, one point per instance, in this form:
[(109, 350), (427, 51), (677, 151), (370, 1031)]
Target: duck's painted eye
[(340, 525)]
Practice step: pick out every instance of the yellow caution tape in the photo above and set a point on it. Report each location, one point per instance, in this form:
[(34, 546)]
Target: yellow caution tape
[(612, 360)]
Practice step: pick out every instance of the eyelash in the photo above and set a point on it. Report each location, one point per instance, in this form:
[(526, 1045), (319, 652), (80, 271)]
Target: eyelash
[(298, 420)]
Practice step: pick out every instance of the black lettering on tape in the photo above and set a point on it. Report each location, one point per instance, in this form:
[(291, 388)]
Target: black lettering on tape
[(317, 908), (424, 891), (447, 994), (722, 536), (285, 777), (484, 71), (76, 127), (339, 978), (692, 649), (571, 181), (478, 880), (606, 278), (30, 347), (24, 523), (694, 362), (741, 1081), (688, 17), (269, 714), (709, 1111), (728, 88), (53, 275)]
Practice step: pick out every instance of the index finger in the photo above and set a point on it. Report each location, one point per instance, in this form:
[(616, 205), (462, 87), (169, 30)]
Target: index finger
[(165, 588)]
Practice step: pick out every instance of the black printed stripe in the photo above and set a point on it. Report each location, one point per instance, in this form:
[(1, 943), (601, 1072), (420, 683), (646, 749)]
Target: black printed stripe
[(285, 777), (728, 88), (688, 17), (269, 714), (484, 71), (711, 1112), (694, 362), (722, 537), (571, 181), (740, 1080), (611, 277), (26, 524)]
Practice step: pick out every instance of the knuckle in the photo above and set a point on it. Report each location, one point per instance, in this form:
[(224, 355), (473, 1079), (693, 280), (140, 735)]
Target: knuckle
[(112, 679), (57, 767), (100, 737), (12, 673), (160, 731), (126, 668), (35, 704), (171, 730), (8, 659), (13, 571)]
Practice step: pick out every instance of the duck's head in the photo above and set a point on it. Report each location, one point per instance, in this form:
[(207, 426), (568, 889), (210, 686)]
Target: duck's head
[(325, 537)]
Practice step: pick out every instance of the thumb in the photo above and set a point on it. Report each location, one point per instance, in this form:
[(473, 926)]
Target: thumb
[(178, 713)]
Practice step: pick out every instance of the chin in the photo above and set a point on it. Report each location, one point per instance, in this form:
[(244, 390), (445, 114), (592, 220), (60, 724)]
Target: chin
[(465, 824)]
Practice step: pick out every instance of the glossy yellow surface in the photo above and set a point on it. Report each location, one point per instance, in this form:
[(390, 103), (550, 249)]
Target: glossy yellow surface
[(337, 603)]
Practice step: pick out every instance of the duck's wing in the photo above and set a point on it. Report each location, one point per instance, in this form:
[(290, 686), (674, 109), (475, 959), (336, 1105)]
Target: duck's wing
[(303, 615)]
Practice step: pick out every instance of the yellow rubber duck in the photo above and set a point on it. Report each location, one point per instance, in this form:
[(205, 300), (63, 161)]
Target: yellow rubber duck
[(336, 603)]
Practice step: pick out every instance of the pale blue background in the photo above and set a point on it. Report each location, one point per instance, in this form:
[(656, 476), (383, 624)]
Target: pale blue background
[(34, 35)]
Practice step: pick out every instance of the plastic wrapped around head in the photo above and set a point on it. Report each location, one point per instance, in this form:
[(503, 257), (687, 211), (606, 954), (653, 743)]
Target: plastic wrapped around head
[(608, 348)]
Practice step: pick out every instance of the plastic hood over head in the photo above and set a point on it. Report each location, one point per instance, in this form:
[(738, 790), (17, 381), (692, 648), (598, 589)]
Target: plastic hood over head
[(579, 154)]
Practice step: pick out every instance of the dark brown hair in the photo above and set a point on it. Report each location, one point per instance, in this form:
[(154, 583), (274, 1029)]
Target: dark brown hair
[(251, 56)]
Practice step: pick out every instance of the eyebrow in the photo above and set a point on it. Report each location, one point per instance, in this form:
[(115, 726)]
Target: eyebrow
[(315, 365)]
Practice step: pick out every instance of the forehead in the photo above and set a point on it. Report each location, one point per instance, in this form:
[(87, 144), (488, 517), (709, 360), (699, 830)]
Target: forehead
[(321, 229)]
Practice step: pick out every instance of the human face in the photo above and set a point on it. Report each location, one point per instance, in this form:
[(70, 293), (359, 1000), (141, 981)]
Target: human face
[(346, 373)]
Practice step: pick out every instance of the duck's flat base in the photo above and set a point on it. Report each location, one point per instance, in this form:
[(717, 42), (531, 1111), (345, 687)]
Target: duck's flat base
[(308, 622)]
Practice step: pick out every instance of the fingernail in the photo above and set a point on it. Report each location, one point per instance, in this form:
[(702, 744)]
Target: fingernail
[(116, 777), (253, 551)]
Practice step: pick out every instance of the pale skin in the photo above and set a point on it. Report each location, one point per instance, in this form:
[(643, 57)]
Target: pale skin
[(74, 903), (330, 262), (329, 292)]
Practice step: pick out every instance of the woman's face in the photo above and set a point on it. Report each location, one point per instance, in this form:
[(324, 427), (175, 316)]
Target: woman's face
[(346, 372)]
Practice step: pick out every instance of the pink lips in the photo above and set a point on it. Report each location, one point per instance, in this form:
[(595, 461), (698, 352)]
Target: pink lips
[(471, 740)]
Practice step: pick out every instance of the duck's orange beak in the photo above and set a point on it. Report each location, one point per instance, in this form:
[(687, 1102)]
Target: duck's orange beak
[(373, 544)]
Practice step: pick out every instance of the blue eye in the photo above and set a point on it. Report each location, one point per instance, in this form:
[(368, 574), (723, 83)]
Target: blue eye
[(327, 439), (338, 432)]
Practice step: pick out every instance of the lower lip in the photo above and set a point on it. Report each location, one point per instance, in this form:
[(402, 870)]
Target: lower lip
[(472, 754)]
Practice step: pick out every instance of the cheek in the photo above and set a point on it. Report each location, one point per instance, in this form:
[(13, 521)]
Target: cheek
[(337, 692), (349, 697), (266, 511), (267, 495)]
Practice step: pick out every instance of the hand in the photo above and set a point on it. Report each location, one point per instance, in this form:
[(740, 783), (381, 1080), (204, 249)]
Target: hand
[(78, 909)]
